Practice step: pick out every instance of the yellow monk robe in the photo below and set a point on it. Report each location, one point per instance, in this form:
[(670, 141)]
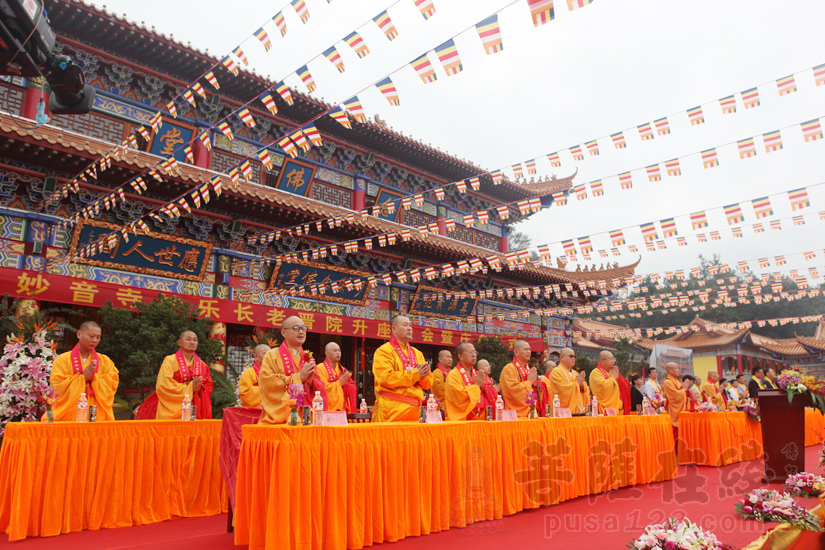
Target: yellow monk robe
[(173, 384), (248, 387), (677, 399), (571, 395), (465, 400), (69, 385), (711, 393), (440, 386), (606, 390), (397, 388), (273, 382), (515, 387), (340, 398)]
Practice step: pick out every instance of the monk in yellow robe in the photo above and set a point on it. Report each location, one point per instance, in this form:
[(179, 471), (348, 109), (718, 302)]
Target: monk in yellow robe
[(248, 387), (181, 374), (401, 376), (711, 391), (442, 369), (568, 385), (490, 386), (287, 366), (83, 370), (519, 380), (604, 383), (466, 395), (676, 395), (341, 388)]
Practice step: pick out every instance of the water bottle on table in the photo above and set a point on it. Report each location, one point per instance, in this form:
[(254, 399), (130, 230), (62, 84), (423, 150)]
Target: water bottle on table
[(186, 408), (82, 408), (317, 409)]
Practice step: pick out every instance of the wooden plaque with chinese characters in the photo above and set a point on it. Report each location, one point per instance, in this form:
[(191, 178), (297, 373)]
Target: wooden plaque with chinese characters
[(289, 275), (148, 253), (437, 302)]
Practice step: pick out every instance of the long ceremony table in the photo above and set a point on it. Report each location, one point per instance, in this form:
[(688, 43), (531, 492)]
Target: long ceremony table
[(64, 477), (354, 486), (722, 438)]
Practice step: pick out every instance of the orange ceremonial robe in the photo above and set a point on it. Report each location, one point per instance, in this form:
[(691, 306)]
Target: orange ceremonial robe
[(440, 387), (273, 382), (571, 395), (249, 390), (677, 399), (711, 393), (391, 378), (335, 391), (462, 400), (68, 387), (606, 390), (515, 390), (170, 392)]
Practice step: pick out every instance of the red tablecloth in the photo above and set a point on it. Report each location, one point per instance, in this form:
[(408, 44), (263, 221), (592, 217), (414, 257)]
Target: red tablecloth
[(234, 418)]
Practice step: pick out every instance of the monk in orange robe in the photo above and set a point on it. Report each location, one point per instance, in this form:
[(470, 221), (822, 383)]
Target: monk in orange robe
[(285, 366), (676, 395), (83, 370), (711, 391), (568, 385), (466, 396), (248, 387), (605, 383), (442, 369), (401, 375), (518, 380), (490, 388), (181, 374), (341, 388)]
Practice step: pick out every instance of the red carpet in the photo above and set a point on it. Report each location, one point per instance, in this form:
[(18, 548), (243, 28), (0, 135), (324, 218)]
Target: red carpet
[(705, 495)]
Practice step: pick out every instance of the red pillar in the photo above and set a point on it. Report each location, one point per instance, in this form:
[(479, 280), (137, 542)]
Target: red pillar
[(359, 195), (201, 154), (739, 364), (504, 242), (720, 365), (442, 225), (31, 97)]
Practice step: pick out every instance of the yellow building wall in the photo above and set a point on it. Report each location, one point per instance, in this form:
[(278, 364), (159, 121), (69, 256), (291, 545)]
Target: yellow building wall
[(703, 365)]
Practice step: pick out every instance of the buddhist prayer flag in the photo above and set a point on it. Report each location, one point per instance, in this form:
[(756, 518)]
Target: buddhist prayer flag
[(424, 69), (799, 199), (357, 44), (709, 158), (288, 147), (461, 186), (653, 173), (340, 116), (649, 232), (530, 165), (811, 130), (224, 127), (245, 115), (750, 98), (172, 109), (569, 247), (576, 4), (190, 158), (469, 220), (779, 260), (204, 137), (617, 237), (261, 35), (681, 241), (426, 8), (269, 103), (645, 131), (799, 220), (544, 252), (773, 141), (673, 168), (483, 216), (593, 148), (280, 22), (246, 168), (733, 213), (580, 191), (585, 246), (714, 236), (263, 154), (786, 85), (497, 177), (696, 116), (541, 11), (230, 65), (285, 94), (448, 55), (668, 228), (596, 188), (626, 180), (312, 133), (490, 34), (388, 89), (475, 183), (301, 9), (354, 107), (747, 148), (210, 77), (300, 140), (576, 151), (385, 24), (819, 74), (559, 198), (306, 77), (618, 140), (764, 262), (503, 212), (758, 228), (728, 104), (698, 220), (554, 159), (517, 171), (334, 57), (762, 207), (523, 207), (662, 126), (776, 225), (809, 255), (189, 97)]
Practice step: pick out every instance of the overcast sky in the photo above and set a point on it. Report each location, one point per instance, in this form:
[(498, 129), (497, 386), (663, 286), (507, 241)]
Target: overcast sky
[(610, 66)]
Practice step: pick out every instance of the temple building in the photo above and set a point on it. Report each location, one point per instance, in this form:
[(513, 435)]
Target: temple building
[(209, 252)]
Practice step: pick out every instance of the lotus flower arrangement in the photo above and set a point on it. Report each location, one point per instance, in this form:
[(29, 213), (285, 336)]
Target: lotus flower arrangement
[(676, 535), (769, 505), (751, 409), (706, 406), (805, 485)]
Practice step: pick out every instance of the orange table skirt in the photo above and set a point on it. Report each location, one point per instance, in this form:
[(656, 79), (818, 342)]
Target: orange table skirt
[(722, 438), (354, 486), (64, 477)]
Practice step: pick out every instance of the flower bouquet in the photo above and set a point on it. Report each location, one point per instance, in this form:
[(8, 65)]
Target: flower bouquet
[(805, 485), (791, 382), (675, 535), (532, 400), (769, 505), (706, 406), (751, 409), (292, 397)]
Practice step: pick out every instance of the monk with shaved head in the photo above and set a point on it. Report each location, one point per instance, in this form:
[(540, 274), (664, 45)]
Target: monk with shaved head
[(442, 370), (83, 370), (288, 365), (248, 383), (519, 380), (341, 388), (606, 384)]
